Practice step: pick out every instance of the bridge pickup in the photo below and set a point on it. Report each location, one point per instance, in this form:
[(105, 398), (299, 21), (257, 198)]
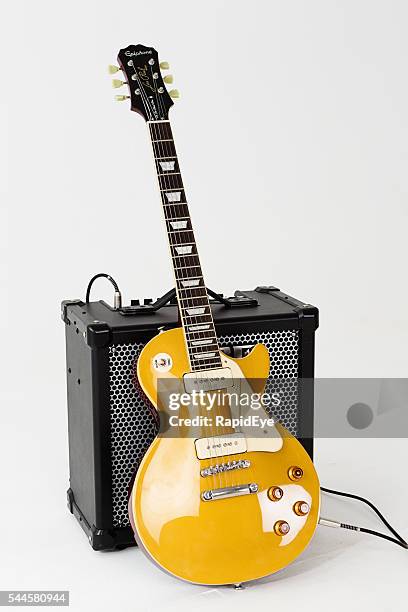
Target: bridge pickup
[(220, 446), (213, 494)]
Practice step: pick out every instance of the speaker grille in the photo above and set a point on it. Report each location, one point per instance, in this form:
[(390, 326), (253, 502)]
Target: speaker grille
[(133, 427)]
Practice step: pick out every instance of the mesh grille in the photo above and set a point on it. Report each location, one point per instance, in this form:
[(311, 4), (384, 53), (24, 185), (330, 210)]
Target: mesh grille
[(133, 426)]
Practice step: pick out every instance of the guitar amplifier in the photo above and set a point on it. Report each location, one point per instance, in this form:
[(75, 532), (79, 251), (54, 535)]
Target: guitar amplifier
[(110, 422)]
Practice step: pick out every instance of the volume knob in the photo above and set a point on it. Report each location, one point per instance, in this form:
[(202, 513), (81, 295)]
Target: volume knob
[(295, 472), (301, 508), (281, 528), (275, 493)]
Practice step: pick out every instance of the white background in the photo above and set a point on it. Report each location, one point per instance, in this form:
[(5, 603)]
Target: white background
[(292, 134)]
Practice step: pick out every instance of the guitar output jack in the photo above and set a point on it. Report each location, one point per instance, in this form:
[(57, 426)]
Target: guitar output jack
[(295, 472)]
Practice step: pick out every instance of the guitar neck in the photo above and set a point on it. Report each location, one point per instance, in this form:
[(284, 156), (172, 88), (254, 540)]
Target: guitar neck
[(194, 306)]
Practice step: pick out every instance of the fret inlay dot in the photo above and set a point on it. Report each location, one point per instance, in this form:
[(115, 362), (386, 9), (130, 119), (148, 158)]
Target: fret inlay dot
[(195, 311), (178, 224), (167, 166), (173, 196), (183, 250)]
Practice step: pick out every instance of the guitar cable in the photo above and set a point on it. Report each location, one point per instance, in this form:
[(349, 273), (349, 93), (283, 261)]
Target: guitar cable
[(117, 300), (330, 523)]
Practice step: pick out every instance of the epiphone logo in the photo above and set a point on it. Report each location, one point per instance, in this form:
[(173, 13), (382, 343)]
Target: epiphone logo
[(133, 53)]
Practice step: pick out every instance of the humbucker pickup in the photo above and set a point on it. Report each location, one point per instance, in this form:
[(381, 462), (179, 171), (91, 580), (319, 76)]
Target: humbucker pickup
[(208, 380)]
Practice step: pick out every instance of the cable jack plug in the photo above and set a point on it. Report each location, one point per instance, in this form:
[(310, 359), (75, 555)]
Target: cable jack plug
[(117, 300)]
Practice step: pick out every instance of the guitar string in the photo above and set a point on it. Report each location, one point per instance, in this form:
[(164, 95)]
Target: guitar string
[(162, 148), (212, 442), (174, 215)]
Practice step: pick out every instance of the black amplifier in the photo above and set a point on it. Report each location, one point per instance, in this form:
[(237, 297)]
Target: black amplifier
[(110, 422)]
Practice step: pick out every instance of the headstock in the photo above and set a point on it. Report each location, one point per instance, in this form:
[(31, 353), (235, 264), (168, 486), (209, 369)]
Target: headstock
[(147, 91)]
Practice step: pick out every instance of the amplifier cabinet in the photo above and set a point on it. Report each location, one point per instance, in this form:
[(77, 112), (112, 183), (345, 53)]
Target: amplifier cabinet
[(111, 424)]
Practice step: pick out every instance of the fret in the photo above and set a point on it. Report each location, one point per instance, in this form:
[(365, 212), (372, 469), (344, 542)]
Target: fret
[(183, 243), (194, 305), (186, 257), (193, 287), (194, 337), (167, 204), (186, 267), (203, 297)]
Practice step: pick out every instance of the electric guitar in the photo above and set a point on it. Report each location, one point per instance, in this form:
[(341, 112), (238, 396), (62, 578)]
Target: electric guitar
[(215, 500)]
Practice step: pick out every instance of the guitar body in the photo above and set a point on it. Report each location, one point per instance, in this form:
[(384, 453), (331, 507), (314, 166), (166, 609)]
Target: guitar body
[(221, 541), (222, 496)]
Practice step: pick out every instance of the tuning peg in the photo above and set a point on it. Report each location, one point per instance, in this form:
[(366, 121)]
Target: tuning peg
[(168, 78), (116, 83), (174, 93), (164, 65), (121, 98), (113, 69)]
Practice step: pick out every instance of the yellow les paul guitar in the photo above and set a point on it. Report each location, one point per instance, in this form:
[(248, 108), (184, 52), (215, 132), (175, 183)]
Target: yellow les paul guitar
[(214, 501)]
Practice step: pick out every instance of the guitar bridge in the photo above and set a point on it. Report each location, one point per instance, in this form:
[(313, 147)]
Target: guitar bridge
[(238, 490)]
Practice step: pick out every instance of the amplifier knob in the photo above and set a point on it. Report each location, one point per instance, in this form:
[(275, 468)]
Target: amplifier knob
[(301, 508), (275, 493), (281, 528), (295, 472)]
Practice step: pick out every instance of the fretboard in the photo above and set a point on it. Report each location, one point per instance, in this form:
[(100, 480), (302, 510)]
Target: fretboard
[(195, 310)]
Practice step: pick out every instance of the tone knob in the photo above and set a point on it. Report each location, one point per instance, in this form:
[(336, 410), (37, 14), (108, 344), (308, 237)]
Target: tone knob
[(281, 528), (301, 508), (295, 472), (275, 493)]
